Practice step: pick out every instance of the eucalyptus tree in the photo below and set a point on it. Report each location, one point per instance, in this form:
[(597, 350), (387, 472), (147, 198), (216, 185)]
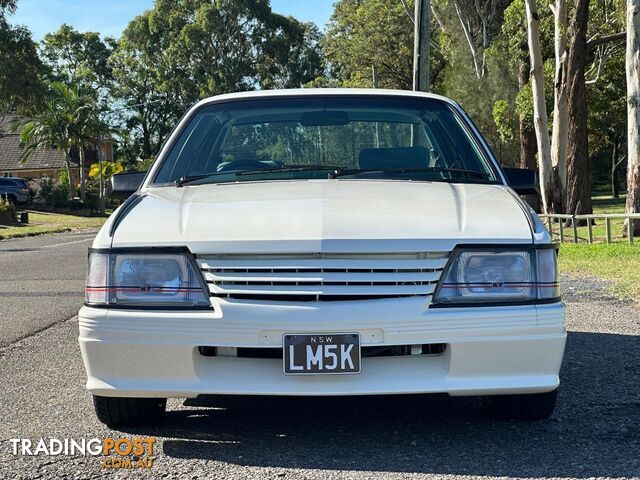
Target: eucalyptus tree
[(633, 111), (540, 120)]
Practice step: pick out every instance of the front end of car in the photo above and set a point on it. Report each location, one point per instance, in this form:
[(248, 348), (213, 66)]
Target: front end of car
[(480, 320)]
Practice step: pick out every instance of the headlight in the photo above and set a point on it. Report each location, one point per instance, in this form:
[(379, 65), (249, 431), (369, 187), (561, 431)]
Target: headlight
[(499, 275), (144, 279)]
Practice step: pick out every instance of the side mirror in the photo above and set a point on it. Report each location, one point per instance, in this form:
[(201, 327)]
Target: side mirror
[(522, 180), (123, 185)]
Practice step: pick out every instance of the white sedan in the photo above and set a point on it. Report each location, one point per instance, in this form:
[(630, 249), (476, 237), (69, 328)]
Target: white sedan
[(323, 242)]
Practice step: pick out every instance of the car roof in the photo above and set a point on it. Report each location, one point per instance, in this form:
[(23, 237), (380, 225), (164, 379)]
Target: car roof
[(306, 92)]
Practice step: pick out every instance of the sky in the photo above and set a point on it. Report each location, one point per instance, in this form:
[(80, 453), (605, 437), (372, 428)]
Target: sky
[(109, 17)]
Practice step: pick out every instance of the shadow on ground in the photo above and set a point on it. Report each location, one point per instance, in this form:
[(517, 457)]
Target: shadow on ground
[(594, 432)]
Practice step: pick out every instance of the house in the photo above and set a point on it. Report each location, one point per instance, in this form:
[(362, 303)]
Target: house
[(41, 163)]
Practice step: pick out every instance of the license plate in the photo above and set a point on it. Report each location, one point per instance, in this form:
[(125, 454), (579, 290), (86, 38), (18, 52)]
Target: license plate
[(322, 353)]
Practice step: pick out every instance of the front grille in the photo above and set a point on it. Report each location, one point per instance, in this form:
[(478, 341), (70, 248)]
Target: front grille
[(323, 277)]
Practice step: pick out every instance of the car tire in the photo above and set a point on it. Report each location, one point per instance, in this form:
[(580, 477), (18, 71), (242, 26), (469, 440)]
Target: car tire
[(532, 406), (122, 412), (11, 199)]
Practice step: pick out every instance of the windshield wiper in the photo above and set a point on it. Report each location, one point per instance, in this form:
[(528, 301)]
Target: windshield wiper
[(237, 173), (460, 171), (291, 168), (192, 178)]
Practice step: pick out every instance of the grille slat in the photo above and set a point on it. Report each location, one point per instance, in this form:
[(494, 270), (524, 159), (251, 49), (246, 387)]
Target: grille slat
[(368, 290), (323, 277), (325, 263), (219, 276)]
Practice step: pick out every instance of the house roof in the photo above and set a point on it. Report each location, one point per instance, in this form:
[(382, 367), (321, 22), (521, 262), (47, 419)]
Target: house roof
[(10, 152)]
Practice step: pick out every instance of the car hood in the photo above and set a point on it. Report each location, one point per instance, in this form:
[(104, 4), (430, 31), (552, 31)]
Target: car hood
[(324, 216)]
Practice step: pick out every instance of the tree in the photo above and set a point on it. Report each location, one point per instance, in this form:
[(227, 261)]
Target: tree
[(59, 124), (578, 166), (149, 108), (511, 44), (480, 21), (607, 122), (180, 51), (102, 172), (21, 71), (77, 58), (559, 136), (367, 34), (633, 112), (541, 122), (293, 57)]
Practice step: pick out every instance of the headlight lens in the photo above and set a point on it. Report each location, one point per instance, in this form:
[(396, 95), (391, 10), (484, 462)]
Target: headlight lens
[(144, 279), (499, 275)]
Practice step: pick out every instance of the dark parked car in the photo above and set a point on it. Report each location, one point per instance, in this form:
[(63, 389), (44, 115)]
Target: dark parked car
[(14, 190)]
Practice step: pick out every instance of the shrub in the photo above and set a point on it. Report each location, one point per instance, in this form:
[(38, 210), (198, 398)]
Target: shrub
[(7, 211)]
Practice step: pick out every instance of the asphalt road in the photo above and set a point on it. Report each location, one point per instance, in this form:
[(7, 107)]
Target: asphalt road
[(595, 431), (41, 282)]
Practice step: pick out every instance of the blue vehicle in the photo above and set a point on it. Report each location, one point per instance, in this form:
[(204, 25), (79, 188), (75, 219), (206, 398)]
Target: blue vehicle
[(14, 190)]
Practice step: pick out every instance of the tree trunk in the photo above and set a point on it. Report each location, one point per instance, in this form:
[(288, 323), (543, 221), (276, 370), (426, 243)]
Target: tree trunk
[(83, 190), (146, 141), (528, 148), (560, 109), (67, 162), (633, 111), (615, 180), (468, 37), (578, 168), (540, 119)]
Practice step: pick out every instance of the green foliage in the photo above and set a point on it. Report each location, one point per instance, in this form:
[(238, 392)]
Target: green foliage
[(145, 165), (76, 58), (21, 70), (363, 34), (503, 118), (67, 119), (7, 209), (63, 177), (183, 50)]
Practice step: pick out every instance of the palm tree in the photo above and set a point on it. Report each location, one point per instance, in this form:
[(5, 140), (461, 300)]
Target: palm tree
[(62, 123)]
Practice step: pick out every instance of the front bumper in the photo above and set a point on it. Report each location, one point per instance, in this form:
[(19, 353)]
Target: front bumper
[(490, 350)]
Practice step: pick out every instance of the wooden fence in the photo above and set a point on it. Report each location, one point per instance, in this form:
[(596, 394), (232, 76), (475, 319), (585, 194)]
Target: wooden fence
[(591, 218)]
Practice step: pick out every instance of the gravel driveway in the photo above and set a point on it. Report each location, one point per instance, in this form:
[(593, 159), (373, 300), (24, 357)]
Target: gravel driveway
[(595, 431)]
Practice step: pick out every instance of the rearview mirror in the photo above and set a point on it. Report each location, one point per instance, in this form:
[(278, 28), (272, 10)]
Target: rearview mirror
[(123, 185), (522, 180), (324, 118)]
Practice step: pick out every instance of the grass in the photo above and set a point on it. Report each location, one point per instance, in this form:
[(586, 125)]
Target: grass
[(618, 263), (41, 223)]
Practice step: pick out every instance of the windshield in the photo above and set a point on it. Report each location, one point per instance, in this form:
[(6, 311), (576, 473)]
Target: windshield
[(325, 137)]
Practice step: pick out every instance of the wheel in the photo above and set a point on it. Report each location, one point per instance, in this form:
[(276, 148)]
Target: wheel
[(532, 406), (11, 199), (121, 412)]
